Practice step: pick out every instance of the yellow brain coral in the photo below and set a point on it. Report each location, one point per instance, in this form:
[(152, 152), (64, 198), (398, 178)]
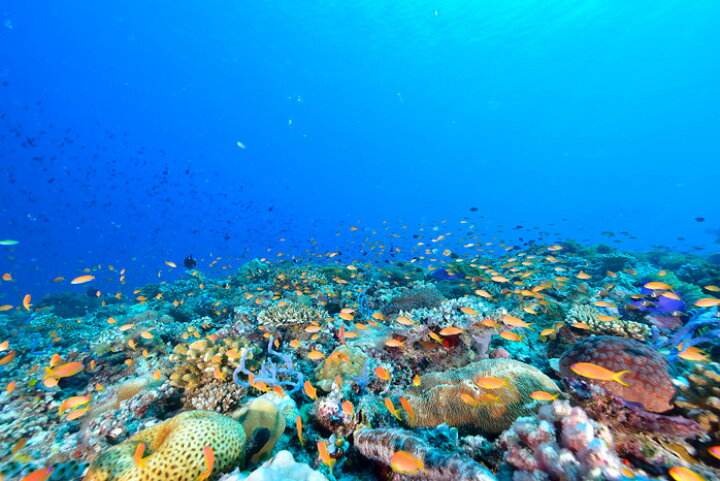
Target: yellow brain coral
[(439, 398), (174, 450)]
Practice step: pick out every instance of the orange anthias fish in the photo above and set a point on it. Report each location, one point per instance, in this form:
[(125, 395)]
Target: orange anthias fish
[(310, 390), (708, 302), (403, 462), (491, 382), (73, 402), (41, 474), (391, 407), (82, 279), (209, 463), (681, 473), (593, 371), (138, 456), (408, 409), (382, 373), (348, 408), (325, 455), (299, 427), (64, 370), (8, 358), (715, 451), (544, 396)]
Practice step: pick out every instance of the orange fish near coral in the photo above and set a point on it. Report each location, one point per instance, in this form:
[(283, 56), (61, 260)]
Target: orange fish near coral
[(382, 373), (64, 370), (209, 463), (544, 396), (708, 302), (391, 407), (8, 358), (593, 371), (310, 390), (403, 462), (491, 382), (681, 473), (299, 427), (138, 456), (41, 474), (325, 455), (715, 451)]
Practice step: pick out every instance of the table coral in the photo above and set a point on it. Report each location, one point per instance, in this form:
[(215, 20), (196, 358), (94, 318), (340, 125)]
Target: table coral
[(437, 399), (439, 465), (648, 380), (174, 450), (560, 443)]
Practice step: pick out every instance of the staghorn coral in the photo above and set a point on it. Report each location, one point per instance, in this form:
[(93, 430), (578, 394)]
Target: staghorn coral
[(439, 465), (345, 361), (618, 327), (700, 399), (203, 361), (174, 450), (560, 443), (437, 399), (290, 314), (648, 380)]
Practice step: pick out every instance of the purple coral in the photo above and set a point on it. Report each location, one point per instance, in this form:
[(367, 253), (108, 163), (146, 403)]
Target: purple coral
[(649, 382), (560, 443)]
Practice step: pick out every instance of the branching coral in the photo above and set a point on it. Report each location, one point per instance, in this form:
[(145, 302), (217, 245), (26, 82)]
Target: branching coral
[(700, 399), (271, 373), (438, 464), (290, 318), (204, 361), (438, 398), (648, 381), (617, 327)]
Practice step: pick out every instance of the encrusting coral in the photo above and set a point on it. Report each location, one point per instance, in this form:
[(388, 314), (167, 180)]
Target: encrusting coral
[(438, 400), (438, 464), (174, 449), (560, 443), (648, 381), (345, 361)]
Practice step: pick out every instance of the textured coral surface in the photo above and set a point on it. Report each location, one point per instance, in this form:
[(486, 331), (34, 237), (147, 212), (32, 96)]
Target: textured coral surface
[(648, 380)]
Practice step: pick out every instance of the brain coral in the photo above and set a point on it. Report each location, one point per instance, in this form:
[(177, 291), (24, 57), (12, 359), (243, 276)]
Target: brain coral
[(174, 450), (437, 399), (648, 380)]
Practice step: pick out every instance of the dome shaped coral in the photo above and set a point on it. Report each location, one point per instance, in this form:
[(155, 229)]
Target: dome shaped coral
[(174, 450), (648, 380)]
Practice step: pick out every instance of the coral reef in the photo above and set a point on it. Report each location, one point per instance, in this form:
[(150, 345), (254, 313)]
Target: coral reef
[(345, 361), (174, 450), (438, 397), (419, 296), (202, 361), (562, 443), (699, 398), (438, 464), (649, 382), (587, 314), (290, 318), (263, 424)]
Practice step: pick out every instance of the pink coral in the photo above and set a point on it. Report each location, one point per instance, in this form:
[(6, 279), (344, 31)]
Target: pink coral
[(648, 380), (578, 448)]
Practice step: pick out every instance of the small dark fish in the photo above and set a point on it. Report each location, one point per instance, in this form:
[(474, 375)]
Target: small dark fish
[(190, 262), (699, 219), (473, 209)]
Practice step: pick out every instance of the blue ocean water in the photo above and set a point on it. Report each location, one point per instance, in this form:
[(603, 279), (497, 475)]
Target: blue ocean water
[(432, 178), (149, 130)]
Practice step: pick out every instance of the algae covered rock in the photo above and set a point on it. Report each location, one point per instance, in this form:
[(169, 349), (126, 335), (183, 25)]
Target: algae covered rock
[(345, 361), (174, 449), (438, 398)]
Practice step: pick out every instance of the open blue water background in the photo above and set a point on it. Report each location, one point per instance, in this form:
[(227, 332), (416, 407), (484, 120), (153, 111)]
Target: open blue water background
[(120, 123)]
